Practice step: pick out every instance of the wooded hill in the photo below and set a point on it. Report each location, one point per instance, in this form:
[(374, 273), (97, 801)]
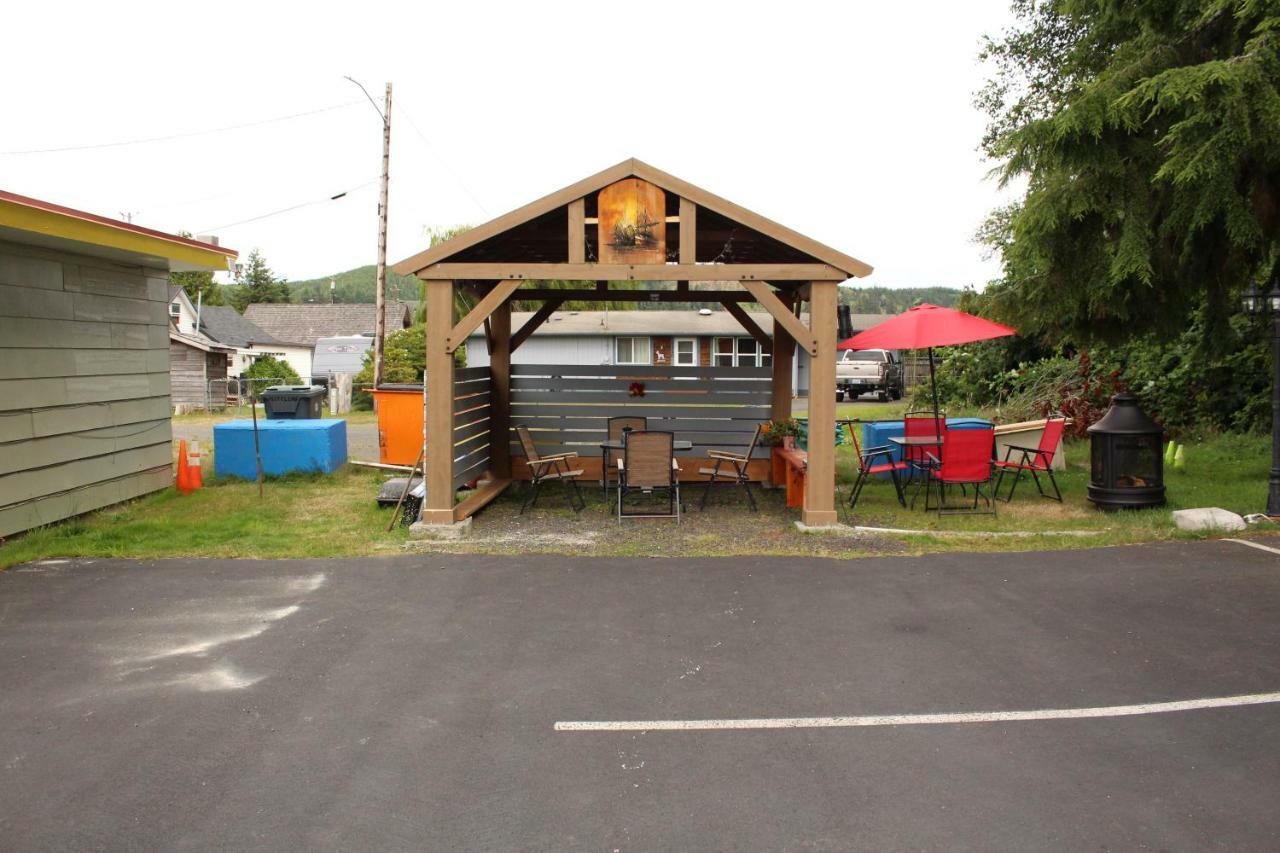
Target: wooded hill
[(356, 285)]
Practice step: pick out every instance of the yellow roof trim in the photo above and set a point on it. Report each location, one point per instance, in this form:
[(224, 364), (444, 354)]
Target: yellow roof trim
[(66, 224)]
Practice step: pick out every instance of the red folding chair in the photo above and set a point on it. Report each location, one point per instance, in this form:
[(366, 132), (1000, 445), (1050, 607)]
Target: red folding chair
[(868, 466), (923, 424), (966, 461), (1038, 461)]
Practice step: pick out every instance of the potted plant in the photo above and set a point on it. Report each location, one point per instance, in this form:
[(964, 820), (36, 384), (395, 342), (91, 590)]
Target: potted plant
[(779, 435)]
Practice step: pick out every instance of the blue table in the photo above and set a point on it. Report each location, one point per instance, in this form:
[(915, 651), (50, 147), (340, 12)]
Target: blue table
[(287, 446), (878, 433)]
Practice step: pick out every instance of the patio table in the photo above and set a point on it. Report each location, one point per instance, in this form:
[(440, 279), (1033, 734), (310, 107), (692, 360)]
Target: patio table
[(620, 444)]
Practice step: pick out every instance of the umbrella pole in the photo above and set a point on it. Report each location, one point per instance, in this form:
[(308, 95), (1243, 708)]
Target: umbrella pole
[(933, 380)]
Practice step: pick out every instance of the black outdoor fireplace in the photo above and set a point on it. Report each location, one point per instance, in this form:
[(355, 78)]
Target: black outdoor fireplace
[(1128, 465)]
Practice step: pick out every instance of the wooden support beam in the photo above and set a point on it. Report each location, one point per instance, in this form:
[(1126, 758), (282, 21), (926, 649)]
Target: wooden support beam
[(577, 232), (485, 271), (488, 335), (688, 232), (500, 393), (480, 497), (784, 349), (782, 314), (479, 314), (635, 295), (539, 317), (740, 314), (438, 507), (820, 478)]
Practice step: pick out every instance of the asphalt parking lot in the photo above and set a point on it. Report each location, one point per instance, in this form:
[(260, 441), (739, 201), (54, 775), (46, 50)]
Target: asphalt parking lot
[(411, 703)]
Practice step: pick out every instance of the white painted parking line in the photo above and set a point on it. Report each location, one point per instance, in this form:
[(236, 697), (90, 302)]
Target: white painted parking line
[(918, 719), (1257, 545)]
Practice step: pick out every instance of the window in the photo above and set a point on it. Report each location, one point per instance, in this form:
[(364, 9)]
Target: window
[(722, 352), (175, 310), (739, 352), (632, 351), (686, 352)]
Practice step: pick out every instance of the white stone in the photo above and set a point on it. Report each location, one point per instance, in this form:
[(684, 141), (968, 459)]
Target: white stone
[(1207, 518)]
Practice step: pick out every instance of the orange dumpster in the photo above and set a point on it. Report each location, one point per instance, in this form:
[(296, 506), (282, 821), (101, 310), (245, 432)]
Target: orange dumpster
[(399, 423)]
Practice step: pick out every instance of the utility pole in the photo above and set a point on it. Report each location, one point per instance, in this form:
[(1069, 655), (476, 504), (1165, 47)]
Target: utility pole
[(380, 278)]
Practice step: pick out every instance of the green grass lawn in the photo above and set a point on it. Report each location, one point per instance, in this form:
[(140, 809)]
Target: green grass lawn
[(335, 516), (300, 516)]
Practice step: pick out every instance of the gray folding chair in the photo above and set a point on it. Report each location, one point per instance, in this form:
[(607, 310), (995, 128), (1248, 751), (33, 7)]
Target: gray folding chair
[(545, 469), (618, 428), (647, 465), (731, 469)]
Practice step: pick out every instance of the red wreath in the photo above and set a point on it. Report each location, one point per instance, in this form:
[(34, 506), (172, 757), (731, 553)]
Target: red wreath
[(636, 389)]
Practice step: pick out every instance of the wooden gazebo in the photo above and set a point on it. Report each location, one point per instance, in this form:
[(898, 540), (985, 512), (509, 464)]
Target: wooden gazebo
[(631, 222)]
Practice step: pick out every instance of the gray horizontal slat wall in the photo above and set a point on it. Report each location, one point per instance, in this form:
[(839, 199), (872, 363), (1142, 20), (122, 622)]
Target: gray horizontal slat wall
[(471, 412), (567, 407), (84, 384)]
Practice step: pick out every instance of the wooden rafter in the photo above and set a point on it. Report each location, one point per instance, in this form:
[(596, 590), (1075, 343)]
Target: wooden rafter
[(740, 314), (479, 314), (530, 326), (782, 314)]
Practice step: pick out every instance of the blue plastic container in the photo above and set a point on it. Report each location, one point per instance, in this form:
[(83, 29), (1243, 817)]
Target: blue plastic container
[(287, 446), (878, 433)]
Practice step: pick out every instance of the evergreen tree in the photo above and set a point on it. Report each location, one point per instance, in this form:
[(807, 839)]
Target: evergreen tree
[(257, 283), (1148, 132)]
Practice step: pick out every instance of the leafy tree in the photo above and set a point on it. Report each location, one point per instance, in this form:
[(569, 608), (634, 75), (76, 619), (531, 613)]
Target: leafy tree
[(197, 282), (1148, 132), (258, 284), (270, 367)]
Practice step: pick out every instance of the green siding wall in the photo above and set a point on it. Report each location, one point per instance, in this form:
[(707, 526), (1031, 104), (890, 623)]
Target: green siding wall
[(84, 385)]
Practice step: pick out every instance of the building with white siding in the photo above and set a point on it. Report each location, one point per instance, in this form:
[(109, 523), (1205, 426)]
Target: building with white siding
[(84, 359), (705, 338)]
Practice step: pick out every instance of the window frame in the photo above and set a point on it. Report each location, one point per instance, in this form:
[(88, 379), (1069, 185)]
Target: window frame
[(675, 352), (648, 349)]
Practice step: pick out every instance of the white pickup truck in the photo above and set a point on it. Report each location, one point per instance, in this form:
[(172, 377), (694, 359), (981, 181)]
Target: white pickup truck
[(861, 371)]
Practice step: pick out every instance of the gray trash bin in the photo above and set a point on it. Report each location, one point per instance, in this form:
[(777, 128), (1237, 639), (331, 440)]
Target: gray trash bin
[(293, 402)]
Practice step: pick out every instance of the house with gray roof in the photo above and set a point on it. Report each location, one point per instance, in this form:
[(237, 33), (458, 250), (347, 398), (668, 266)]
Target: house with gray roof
[(227, 326), (305, 324), (705, 338)]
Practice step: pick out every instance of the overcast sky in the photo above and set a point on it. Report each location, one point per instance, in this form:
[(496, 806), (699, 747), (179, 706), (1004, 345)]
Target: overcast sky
[(850, 122)]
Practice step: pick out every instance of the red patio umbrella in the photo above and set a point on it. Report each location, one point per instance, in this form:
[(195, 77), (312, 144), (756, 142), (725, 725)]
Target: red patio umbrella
[(926, 327)]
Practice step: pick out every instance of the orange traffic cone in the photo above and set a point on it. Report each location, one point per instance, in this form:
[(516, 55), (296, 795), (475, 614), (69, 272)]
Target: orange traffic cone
[(184, 476), (194, 473)]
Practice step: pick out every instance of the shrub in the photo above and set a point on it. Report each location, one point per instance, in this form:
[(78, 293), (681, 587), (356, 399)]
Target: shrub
[(268, 367)]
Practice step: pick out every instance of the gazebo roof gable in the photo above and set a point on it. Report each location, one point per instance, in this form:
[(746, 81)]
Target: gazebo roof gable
[(537, 232)]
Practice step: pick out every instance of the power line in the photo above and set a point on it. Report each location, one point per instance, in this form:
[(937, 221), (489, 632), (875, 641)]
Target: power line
[(173, 136), (453, 172), (334, 197)]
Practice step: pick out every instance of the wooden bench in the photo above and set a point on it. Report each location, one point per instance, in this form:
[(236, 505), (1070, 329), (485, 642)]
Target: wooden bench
[(794, 464)]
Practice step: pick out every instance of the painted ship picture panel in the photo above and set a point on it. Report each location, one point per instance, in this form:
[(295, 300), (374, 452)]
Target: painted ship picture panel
[(632, 223)]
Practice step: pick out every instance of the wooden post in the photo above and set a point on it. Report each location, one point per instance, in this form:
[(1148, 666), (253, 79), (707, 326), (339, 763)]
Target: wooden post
[(784, 348), (438, 507), (820, 479), (380, 271), (577, 232), (500, 393)]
